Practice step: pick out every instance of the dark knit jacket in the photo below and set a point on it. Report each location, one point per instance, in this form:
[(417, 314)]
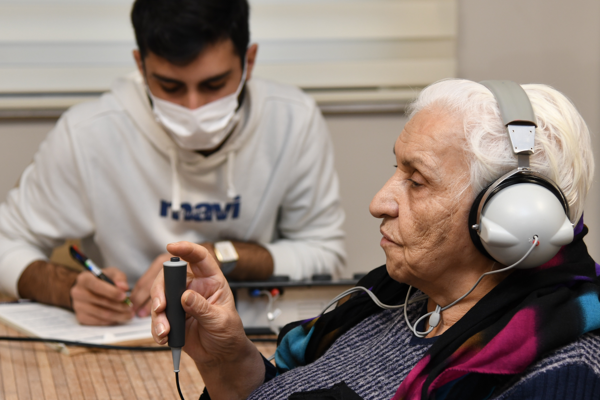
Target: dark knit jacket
[(375, 356)]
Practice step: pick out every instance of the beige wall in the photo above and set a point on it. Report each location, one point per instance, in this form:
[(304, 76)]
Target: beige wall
[(364, 161), (548, 41), (556, 42), (19, 140)]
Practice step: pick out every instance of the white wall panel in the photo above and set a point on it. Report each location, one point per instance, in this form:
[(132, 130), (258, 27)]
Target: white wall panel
[(354, 20), (388, 73), (81, 46), (59, 79), (82, 21)]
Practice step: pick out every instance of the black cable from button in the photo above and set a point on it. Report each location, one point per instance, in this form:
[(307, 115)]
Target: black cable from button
[(178, 388)]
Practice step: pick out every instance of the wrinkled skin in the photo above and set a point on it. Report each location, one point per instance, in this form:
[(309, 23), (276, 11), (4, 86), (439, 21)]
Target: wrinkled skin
[(424, 208)]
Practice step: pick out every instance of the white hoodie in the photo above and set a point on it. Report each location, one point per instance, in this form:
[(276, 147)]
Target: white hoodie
[(109, 174)]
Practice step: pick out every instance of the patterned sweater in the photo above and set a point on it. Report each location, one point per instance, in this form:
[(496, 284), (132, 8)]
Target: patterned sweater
[(375, 356)]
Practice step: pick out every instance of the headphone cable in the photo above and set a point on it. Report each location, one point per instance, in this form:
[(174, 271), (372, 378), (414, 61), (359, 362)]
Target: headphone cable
[(435, 316)]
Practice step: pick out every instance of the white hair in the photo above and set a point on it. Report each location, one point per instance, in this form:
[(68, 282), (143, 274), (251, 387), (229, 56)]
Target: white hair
[(563, 150)]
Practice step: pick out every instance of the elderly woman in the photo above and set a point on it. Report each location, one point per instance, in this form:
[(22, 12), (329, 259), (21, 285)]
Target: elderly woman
[(520, 333)]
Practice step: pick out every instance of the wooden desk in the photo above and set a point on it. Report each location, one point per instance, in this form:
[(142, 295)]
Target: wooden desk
[(32, 371)]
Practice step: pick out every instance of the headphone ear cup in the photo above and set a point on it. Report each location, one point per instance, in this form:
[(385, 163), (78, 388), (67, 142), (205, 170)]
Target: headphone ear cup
[(514, 215), (473, 220)]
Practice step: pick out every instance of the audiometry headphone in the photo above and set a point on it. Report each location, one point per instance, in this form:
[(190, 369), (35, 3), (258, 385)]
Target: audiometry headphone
[(523, 203)]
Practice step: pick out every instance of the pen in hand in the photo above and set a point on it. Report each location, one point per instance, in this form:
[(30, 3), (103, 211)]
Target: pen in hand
[(93, 268)]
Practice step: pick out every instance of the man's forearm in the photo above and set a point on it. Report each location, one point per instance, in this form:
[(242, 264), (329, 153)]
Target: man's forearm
[(255, 262), (47, 283)]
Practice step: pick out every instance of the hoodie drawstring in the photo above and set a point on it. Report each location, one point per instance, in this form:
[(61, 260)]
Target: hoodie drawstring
[(231, 192), (175, 184)]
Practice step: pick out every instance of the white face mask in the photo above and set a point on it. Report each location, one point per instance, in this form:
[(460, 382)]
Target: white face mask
[(203, 128)]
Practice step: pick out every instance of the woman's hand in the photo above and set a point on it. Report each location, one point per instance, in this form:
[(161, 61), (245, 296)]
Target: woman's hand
[(229, 363)]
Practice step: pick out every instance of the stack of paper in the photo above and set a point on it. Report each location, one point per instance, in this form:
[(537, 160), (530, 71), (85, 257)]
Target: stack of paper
[(40, 320)]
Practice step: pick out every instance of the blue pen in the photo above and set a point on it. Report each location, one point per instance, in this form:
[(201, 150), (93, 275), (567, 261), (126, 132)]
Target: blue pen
[(93, 268)]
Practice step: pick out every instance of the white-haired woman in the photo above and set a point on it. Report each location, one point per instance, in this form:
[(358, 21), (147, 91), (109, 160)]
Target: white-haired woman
[(525, 333)]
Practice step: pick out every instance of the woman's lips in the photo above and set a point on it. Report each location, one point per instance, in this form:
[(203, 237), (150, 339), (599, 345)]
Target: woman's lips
[(386, 238)]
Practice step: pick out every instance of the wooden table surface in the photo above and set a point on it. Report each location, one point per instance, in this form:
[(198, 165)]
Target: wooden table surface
[(35, 371)]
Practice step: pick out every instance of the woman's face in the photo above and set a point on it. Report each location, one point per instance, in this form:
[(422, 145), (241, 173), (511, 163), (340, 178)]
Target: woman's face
[(425, 204)]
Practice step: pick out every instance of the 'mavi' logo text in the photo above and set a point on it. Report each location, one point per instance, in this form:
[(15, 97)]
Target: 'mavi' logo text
[(202, 211)]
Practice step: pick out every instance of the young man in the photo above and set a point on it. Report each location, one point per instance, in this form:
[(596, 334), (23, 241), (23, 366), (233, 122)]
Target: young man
[(187, 148)]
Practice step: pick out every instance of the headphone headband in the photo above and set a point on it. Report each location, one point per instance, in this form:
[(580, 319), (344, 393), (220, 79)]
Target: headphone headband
[(513, 102), (517, 115)]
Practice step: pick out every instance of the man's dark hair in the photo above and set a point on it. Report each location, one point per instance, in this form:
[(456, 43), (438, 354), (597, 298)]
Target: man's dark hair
[(178, 30)]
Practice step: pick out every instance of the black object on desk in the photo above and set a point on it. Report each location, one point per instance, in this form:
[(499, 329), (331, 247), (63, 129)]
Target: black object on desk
[(175, 280)]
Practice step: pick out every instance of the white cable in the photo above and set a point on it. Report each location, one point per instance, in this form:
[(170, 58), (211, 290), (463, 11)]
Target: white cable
[(535, 243), (269, 304), (371, 295), (272, 314), (435, 316), (413, 328)]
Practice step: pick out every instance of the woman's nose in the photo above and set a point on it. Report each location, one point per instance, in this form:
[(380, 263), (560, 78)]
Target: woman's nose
[(384, 203)]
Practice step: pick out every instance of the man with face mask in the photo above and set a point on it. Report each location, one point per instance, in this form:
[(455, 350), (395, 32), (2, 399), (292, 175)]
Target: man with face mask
[(187, 148)]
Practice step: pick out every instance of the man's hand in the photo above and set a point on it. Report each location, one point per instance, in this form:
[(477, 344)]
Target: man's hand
[(229, 363), (140, 295), (96, 302)]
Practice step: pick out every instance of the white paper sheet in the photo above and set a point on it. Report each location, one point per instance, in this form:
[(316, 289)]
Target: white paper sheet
[(40, 320)]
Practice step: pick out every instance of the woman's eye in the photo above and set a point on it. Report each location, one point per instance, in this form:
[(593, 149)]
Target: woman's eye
[(414, 183)]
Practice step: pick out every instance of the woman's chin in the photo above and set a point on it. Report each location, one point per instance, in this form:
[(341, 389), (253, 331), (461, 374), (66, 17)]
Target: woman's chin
[(395, 270)]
